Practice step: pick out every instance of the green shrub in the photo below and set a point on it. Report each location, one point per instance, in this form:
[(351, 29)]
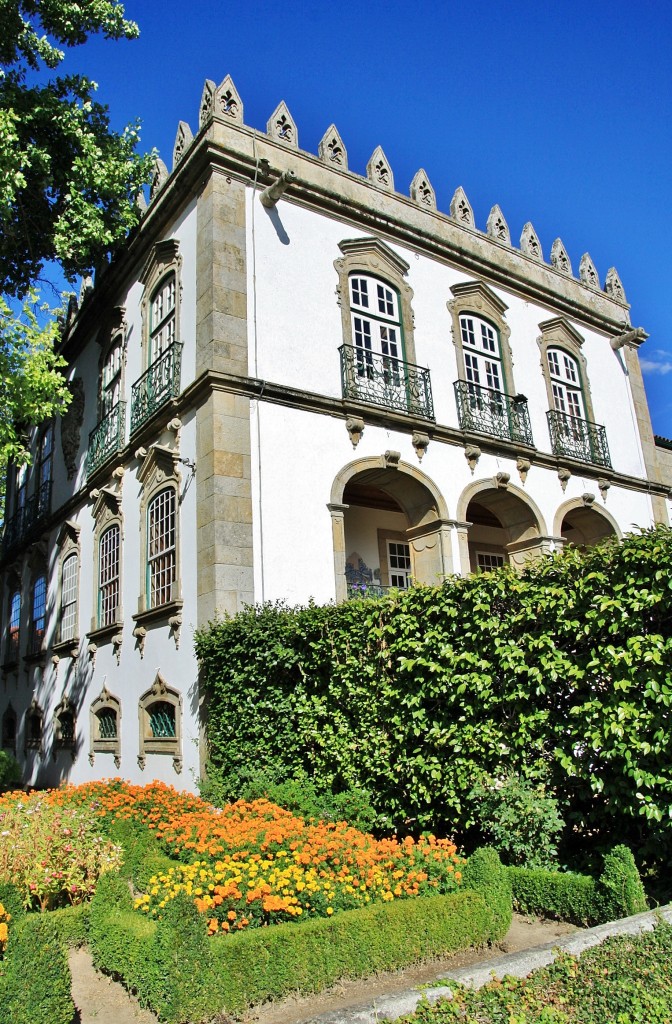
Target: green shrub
[(621, 892), (10, 771), (12, 899), (34, 976), (562, 895), (485, 874), (519, 819), (180, 943)]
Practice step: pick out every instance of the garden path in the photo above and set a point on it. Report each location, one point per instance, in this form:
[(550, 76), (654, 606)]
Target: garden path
[(102, 1001)]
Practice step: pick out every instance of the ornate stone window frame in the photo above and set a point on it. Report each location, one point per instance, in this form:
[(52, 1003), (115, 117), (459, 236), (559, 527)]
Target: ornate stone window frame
[(114, 333), (372, 256), (165, 259), (106, 512), (558, 333), (160, 693), (477, 298), (159, 471), (68, 542), (61, 741), (98, 744), (33, 737)]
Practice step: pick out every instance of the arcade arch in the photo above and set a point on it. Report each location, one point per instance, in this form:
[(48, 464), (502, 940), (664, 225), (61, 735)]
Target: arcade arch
[(500, 524), (584, 525)]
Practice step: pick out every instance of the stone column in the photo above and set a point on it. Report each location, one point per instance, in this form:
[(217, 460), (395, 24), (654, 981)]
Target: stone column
[(338, 534)]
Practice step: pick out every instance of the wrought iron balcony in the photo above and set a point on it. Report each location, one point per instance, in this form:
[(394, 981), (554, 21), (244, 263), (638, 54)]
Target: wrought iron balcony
[(381, 380), (107, 438), (487, 411), (158, 385), (28, 521), (578, 439)]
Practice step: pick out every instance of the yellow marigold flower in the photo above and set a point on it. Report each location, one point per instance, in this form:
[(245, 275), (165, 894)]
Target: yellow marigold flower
[(330, 911)]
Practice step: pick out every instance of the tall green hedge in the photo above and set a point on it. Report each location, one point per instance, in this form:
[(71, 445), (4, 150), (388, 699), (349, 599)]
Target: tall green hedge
[(562, 672)]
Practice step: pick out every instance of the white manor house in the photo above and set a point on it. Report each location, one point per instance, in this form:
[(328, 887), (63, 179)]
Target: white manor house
[(297, 382)]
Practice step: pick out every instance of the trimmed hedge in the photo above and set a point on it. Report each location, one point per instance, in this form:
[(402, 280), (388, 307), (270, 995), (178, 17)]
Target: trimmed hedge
[(485, 874), (581, 899), (182, 975), (34, 975)]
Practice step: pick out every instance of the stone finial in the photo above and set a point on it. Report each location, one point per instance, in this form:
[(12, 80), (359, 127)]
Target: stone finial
[(559, 258), (460, 209), (588, 272), (331, 149), (523, 466), (613, 286), (355, 428), (421, 191), (378, 170), (227, 102), (530, 244), (604, 486), (281, 126), (206, 109), (420, 441), (183, 140), (497, 227), (159, 176), (472, 454), (141, 202), (563, 476)]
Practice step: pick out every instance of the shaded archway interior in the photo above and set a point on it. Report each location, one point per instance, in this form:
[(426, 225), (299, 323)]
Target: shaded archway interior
[(585, 527), (503, 529)]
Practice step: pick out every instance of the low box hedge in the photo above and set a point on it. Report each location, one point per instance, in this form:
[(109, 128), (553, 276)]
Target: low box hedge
[(35, 977)]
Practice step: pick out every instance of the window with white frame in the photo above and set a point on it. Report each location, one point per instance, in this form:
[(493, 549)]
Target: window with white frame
[(399, 564), (69, 592), (486, 561), (110, 377), (38, 614), (376, 328), (108, 576), (46, 456), (565, 383), (482, 355), (161, 548), (162, 322)]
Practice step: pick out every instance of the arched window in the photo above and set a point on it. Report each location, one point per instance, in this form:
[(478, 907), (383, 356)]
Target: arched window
[(162, 320), (14, 630), (109, 577), (69, 592), (105, 723), (38, 614), (161, 548), (160, 711)]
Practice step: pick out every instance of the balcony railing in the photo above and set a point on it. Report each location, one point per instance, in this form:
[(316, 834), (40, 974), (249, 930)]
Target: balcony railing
[(107, 438), (578, 439), (487, 411), (158, 385), (381, 380), (28, 521)]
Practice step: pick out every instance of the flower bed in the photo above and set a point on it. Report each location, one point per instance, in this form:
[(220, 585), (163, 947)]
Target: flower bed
[(253, 863)]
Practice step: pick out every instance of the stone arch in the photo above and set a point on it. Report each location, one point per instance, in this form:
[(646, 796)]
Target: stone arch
[(499, 523), (395, 503), (590, 524)]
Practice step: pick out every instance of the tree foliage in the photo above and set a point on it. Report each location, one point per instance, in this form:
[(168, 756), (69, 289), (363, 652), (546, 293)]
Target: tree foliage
[(562, 673)]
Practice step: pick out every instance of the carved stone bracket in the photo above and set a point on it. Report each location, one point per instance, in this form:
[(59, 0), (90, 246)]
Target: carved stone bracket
[(523, 466), (502, 480), (472, 454), (588, 499), (564, 475), (92, 650), (420, 442), (92, 758), (391, 459), (117, 761), (140, 634), (175, 623), (142, 761), (117, 641), (355, 428), (55, 660), (604, 486), (177, 765)]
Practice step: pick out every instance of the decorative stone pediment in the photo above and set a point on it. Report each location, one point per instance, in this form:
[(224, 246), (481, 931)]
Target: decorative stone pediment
[(379, 172), (422, 192), (106, 504), (477, 295), (497, 227), (331, 149), (282, 128), (114, 322), (71, 425), (183, 139), (163, 257), (460, 209), (373, 249), (159, 176), (68, 533), (530, 244), (560, 332), (206, 109), (159, 465), (613, 286), (227, 101), (560, 259), (588, 272)]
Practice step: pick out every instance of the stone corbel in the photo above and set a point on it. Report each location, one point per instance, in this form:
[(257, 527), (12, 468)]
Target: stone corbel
[(92, 758), (523, 466), (604, 486), (502, 480), (117, 761), (177, 764), (117, 641), (563, 476), (55, 660), (355, 428), (140, 634), (140, 454), (391, 459), (420, 442), (175, 623), (91, 650), (588, 499), (472, 454), (142, 761)]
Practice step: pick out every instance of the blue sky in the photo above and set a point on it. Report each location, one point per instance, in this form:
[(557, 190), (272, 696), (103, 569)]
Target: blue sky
[(561, 113)]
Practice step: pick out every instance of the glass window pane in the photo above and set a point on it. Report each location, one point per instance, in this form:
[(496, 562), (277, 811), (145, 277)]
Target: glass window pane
[(108, 577), (161, 553), (69, 597)]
